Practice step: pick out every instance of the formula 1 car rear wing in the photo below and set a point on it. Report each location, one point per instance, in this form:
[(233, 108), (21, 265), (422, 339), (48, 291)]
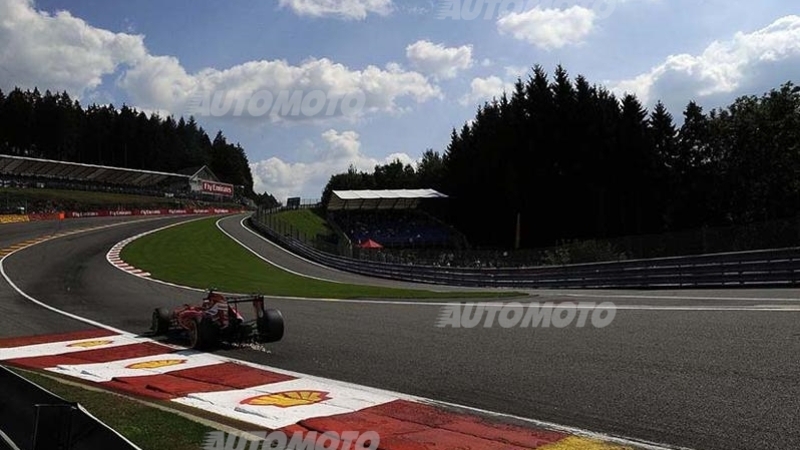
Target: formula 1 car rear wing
[(256, 299)]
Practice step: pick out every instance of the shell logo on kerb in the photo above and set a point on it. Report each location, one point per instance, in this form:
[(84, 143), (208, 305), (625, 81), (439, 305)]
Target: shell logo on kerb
[(156, 364), (90, 344), (287, 399)]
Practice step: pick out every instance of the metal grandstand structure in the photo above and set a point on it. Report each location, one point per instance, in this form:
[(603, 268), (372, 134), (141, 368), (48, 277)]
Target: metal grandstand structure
[(382, 199), (63, 170), (199, 179)]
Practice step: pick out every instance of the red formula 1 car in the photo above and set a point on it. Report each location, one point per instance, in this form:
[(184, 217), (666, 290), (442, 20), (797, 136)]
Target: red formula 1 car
[(218, 320)]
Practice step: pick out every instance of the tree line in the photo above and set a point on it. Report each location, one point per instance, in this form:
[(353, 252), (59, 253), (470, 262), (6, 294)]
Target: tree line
[(54, 126), (574, 161)]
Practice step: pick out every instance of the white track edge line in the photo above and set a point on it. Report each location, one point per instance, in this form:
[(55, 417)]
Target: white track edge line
[(306, 260), (413, 284), (681, 297), (272, 263)]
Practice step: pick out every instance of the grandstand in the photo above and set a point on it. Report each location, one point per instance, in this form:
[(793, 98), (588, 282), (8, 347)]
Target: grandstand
[(391, 219), (198, 184)]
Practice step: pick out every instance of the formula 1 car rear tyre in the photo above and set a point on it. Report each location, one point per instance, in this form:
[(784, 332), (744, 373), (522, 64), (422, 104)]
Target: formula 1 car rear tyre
[(270, 326), (161, 321), (203, 334)]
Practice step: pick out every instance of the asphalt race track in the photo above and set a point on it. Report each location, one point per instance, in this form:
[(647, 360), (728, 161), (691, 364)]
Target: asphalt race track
[(20, 317), (698, 369)]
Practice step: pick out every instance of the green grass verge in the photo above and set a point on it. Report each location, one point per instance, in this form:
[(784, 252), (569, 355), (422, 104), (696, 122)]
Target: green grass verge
[(197, 254), (147, 427), (306, 221), (86, 197)]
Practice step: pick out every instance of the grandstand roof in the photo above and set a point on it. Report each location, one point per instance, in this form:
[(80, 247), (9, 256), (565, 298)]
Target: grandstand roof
[(25, 166), (385, 199), (190, 170), (200, 172)]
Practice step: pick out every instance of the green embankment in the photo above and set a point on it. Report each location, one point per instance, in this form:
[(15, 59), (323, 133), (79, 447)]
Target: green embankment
[(305, 221), (36, 198), (198, 254)]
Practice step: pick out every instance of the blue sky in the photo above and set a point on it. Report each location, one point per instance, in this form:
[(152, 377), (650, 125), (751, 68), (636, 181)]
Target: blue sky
[(415, 73)]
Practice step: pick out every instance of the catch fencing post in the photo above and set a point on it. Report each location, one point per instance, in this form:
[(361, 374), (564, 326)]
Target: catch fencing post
[(705, 239), (797, 225), (53, 427)]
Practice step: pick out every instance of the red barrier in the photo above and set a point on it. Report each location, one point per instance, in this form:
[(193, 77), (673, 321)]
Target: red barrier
[(44, 216)]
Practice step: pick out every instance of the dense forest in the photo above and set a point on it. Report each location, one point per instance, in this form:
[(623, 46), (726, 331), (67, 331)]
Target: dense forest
[(54, 126), (575, 161)]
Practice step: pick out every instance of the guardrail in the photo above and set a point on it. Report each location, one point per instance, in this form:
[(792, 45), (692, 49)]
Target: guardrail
[(32, 418), (780, 268)]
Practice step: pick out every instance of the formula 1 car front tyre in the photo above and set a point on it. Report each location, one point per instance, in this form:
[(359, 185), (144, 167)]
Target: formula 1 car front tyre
[(161, 321), (270, 326)]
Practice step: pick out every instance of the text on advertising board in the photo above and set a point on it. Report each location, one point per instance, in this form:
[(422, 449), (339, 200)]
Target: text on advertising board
[(217, 188)]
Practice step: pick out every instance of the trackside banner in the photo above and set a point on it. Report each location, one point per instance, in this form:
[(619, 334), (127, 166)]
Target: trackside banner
[(20, 218), (151, 212), (45, 216)]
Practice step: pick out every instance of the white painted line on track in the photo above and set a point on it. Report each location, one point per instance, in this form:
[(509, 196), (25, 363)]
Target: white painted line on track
[(272, 263), (429, 287), (306, 260), (755, 308), (678, 297)]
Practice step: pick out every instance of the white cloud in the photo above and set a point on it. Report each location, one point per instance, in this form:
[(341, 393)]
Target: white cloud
[(437, 60), (161, 82), (549, 29), (483, 89), (344, 9), (486, 62), (307, 179), (59, 51), (62, 52), (747, 63)]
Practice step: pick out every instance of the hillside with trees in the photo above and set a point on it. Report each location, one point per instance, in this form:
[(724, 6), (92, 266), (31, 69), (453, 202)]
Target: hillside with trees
[(54, 126), (574, 161)]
